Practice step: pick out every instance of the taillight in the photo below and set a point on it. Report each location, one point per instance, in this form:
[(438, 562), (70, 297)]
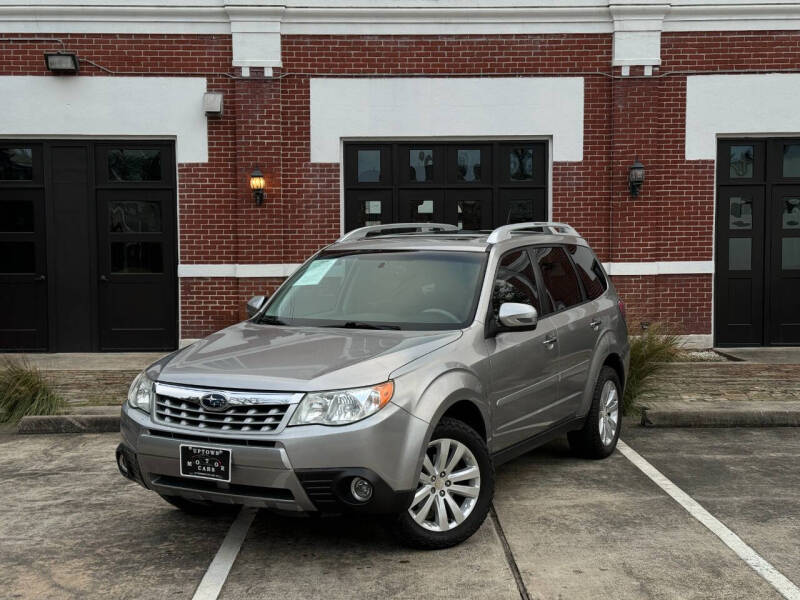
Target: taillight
[(621, 305)]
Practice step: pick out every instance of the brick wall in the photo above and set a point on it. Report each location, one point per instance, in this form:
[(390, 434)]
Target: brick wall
[(266, 124)]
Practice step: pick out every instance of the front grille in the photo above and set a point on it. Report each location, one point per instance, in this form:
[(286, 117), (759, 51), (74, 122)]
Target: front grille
[(254, 412), (237, 418)]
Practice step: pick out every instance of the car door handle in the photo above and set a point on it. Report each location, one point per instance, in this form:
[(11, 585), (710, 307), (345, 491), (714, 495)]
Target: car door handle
[(39, 278), (104, 278), (549, 342), (595, 324)]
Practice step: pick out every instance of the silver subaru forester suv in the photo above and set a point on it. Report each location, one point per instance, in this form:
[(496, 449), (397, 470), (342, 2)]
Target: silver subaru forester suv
[(390, 374)]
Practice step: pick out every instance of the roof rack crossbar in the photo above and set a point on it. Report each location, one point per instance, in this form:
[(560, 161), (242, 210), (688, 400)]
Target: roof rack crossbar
[(504, 233), (395, 228)]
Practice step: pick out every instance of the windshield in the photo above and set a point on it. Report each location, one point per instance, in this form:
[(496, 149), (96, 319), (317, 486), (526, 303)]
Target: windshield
[(381, 289)]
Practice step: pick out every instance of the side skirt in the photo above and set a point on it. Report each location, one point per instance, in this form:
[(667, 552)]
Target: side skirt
[(520, 448)]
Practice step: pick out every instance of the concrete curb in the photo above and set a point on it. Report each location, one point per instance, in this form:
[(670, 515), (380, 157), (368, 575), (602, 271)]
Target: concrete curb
[(655, 417), (83, 423)]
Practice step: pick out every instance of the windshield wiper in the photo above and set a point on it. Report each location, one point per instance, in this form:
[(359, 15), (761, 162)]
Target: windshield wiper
[(270, 320), (362, 325)]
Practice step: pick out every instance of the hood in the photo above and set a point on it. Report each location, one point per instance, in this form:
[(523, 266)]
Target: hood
[(272, 358)]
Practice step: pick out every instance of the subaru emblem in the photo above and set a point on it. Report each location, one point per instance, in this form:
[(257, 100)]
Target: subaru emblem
[(214, 402)]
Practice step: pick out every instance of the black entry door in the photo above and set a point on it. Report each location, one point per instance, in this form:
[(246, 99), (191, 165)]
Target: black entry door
[(739, 291), (23, 266), (88, 251), (757, 271), (136, 249), (784, 274)]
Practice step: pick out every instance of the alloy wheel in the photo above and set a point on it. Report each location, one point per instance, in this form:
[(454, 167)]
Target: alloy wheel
[(448, 486), (609, 412)]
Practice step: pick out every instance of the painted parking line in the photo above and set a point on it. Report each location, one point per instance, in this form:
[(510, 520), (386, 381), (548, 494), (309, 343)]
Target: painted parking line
[(218, 570), (755, 561)]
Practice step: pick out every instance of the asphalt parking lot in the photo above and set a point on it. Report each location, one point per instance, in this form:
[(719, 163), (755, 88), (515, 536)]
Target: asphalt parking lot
[(72, 527)]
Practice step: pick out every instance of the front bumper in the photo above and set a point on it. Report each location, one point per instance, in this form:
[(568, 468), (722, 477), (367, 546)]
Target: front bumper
[(300, 469)]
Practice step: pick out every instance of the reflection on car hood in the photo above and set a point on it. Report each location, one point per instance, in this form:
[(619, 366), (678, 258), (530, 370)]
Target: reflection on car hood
[(266, 357)]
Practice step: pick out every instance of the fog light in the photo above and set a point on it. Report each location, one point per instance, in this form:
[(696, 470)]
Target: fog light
[(361, 489)]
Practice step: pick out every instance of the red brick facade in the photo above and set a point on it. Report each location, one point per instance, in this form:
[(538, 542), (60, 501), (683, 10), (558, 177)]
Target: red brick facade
[(266, 123)]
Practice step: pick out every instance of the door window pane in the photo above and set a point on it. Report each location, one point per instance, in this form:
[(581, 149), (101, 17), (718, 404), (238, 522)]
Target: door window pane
[(420, 165), (790, 255), (134, 216), (515, 282), (468, 167), (16, 216), (519, 211), (739, 250), (589, 271), (134, 164), (791, 160), (370, 213), (17, 257), (136, 257), (369, 166), (16, 164), (469, 215), (741, 162), (422, 211), (521, 163), (791, 213), (741, 213), (559, 278)]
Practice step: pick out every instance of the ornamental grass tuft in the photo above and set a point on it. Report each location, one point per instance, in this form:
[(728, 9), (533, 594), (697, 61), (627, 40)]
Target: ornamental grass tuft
[(24, 391), (655, 346)]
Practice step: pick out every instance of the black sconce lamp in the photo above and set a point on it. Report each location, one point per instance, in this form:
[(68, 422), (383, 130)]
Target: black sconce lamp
[(257, 185), (62, 62), (635, 177)]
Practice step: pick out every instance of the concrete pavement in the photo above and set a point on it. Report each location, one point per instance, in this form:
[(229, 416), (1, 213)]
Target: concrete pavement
[(72, 527)]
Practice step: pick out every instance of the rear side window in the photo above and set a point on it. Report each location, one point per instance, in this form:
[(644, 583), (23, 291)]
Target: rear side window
[(589, 271), (515, 281), (559, 278)]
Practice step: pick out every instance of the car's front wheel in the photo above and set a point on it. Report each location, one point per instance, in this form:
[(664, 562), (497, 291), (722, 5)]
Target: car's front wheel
[(454, 489)]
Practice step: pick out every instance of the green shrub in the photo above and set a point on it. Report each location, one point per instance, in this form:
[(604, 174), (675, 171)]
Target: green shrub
[(649, 351), (24, 391)]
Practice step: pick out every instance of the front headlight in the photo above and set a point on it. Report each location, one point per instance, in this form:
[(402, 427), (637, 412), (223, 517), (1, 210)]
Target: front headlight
[(140, 394), (341, 407)]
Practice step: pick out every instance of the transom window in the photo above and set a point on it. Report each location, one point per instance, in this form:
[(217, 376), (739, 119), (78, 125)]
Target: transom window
[(474, 185)]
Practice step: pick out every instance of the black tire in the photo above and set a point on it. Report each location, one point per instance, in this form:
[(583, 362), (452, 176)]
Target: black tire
[(199, 507), (412, 534), (587, 442)]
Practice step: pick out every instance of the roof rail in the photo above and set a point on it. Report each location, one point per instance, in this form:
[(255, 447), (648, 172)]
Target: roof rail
[(391, 228), (504, 233)]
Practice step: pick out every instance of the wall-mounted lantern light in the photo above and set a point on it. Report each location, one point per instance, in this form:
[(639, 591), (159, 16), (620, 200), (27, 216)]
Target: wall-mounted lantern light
[(635, 177), (62, 62), (257, 185)]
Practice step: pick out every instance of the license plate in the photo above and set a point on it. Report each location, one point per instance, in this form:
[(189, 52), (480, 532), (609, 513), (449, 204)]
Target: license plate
[(205, 462)]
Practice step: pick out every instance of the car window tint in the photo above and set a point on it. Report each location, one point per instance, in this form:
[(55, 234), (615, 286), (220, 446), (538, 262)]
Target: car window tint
[(559, 278), (589, 271), (515, 281)]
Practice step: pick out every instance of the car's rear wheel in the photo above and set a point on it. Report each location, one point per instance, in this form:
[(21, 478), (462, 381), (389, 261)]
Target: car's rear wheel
[(600, 432), (454, 489)]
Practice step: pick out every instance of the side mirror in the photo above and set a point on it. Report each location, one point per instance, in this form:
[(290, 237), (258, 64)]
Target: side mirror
[(515, 316), (254, 305)]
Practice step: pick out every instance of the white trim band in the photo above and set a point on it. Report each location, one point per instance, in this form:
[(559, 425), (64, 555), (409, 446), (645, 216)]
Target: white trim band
[(689, 267), (238, 271), (701, 267)]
